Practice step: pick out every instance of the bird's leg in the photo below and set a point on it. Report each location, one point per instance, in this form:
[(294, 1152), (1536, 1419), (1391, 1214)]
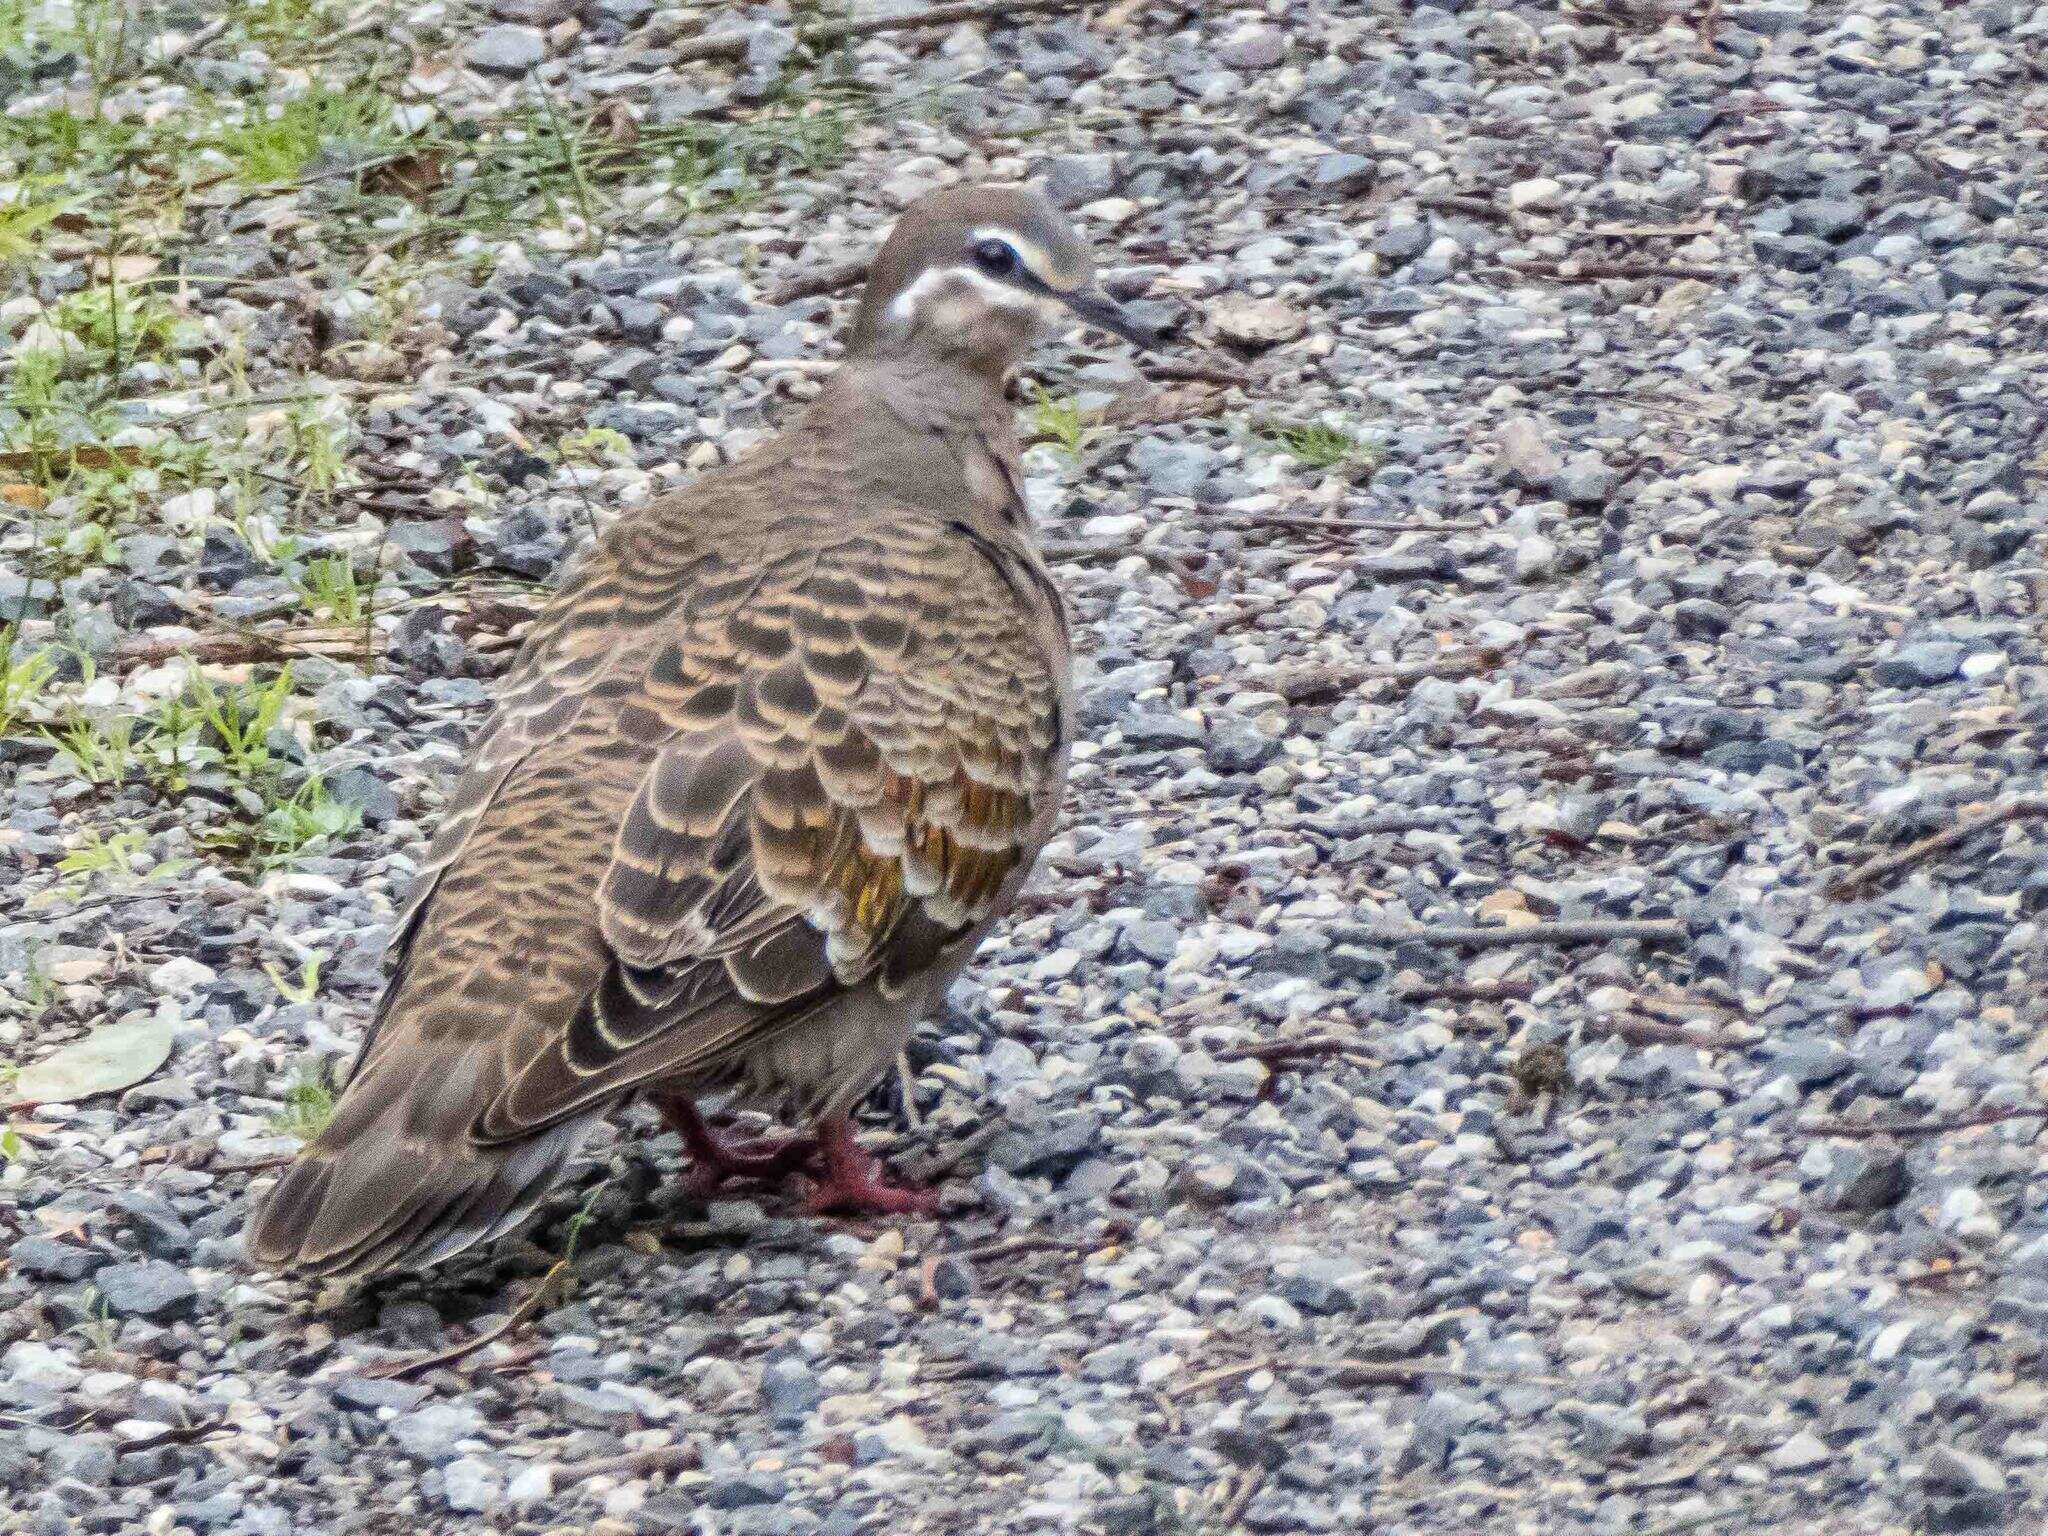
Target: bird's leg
[(852, 1179), (713, 1162)]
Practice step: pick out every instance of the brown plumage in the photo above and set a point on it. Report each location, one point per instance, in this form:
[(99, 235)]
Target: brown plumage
[(761, 778)]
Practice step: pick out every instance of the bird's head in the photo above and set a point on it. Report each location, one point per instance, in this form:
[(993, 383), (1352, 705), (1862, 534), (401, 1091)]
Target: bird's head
[(973, 274)]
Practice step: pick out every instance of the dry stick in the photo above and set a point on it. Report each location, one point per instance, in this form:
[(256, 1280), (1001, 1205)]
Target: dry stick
[(1454, 202), (1596, 931), (1511, 990), (1041, 1242), (836, 278), (1196, 373), (233, 649), (454, 1352), (663, 1458), (1240, 1501), (177, 1434), (1390, 1373), (1277, 1053), (733, 45), (192, 42), (1872, 870), (1853, 1129), (1343, 524), (78, 908), (1598, 271), (1318, 682), (938, 1168), (1650, 1032)]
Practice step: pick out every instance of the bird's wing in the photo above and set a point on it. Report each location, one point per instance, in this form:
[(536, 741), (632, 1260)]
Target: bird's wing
[(850, 751), (571, 646)]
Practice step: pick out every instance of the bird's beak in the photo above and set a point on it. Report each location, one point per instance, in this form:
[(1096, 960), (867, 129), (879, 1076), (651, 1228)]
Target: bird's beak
[(1105, 314)]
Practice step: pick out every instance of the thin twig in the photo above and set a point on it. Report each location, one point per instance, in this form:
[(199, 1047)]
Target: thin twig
[(1855, 1129), (1883, 865), (1278, 1053), (1167, 370), (177, 1434), (817, 284), (192, 42), (250, 647), (733, 45), (1327, 682), (1342, 524), (633, 1464), (1240, 1501), (1390, 1373), (938, 1168), (400, 1370), (1506, 990), (1592, 931), (1580, 270), (1650, 1032), (1457, 202), (1042, 1242), (78, 908)]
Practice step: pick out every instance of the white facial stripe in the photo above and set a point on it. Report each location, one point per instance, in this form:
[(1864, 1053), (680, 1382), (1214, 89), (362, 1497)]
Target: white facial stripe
[(902, 311), (1035, 260)]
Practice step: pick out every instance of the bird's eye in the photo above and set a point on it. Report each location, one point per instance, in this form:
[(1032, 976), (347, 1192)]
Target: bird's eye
[(995, 257)]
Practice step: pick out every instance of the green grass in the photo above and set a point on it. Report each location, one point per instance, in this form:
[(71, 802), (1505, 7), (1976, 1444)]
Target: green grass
[(329, 586), (119, 323), (1317, 444), (241, 718), (100, 748), (24, 676), (271, 149), (23, 218), (98, 854), (308, 820), (1060, 422), (308, 1106)]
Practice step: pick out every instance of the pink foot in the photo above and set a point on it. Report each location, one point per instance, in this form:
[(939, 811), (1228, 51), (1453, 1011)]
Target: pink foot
[(852, 1182), (713, 1163)]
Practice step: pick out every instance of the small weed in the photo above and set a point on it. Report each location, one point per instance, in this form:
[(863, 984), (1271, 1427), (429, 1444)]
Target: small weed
[(22, 221), (100, 1331), (241, 718), (269, 151), (328, 584), (306, 988), (1317, 444), (315, 448), (169, 750), (41, 990), (120, 323), (309, 819), (308, 1106), (1060, 422), (100, 747), (593, 444), (24, 674), (113, 857), (12, 1148)]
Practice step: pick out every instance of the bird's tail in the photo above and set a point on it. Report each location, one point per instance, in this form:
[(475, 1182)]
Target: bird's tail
[(395, 1180)]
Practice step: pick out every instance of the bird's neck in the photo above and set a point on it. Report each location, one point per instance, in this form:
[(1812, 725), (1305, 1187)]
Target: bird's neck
[(933, 433)]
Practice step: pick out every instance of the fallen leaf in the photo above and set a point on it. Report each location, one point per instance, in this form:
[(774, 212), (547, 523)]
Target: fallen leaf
[(414, 176), (112, 1057)]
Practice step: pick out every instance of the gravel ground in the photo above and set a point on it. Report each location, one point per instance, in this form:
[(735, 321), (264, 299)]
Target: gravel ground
[(1603, 485)]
